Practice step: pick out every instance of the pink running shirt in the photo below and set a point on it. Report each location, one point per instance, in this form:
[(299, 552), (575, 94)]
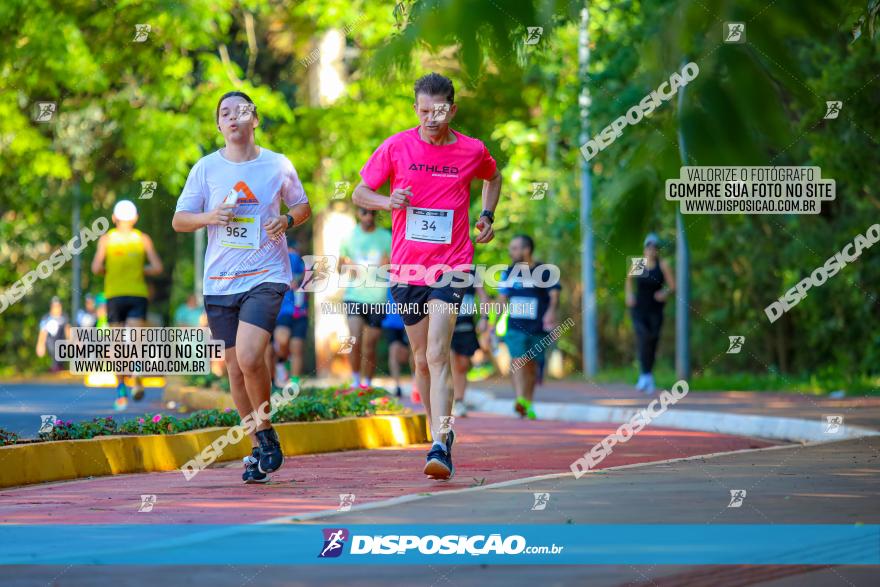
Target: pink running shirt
[(435, 230)]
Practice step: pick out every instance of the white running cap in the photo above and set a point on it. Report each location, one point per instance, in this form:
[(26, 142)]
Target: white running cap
[(125, 210)]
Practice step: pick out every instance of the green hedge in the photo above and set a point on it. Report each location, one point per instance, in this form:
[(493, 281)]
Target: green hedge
[(312, 404)]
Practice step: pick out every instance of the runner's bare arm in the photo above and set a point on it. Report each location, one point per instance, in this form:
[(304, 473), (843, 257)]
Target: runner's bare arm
[(365, 197), (663, 294), (341, 262), (98, 261), (41, 344), (630, 297), (155, 266), (279, 224), (192, 221), (550, 321), (300, 213), (491, 194), (485, 300)]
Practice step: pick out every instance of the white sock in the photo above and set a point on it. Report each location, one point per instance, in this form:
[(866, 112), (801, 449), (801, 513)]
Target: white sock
[(357, 379)]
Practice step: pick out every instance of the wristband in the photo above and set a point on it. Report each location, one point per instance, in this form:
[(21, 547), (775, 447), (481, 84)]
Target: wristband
[(289, 220), (488, 214)]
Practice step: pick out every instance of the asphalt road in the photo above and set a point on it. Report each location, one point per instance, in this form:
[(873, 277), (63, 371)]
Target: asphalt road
[(23, 404)]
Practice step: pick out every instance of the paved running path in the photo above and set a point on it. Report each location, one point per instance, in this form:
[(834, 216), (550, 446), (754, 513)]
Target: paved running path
[(858, 411), (489, 449), (828, 483)]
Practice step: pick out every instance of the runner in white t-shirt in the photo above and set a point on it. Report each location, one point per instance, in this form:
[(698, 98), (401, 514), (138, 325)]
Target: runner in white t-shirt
[(236, 193)]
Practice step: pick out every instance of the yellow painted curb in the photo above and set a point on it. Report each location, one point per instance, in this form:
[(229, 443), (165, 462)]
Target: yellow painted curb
[(113, 455)]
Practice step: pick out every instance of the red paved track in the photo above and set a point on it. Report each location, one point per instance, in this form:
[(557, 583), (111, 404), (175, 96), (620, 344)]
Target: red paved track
[(489, 449)]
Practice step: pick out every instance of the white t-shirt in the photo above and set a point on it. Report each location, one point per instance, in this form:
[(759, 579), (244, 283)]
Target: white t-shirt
[(241, 256)]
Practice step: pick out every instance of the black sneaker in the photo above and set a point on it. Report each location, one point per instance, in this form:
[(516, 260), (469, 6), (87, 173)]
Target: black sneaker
[(251, 473), (439, 463), (271, 457), (398, 392)]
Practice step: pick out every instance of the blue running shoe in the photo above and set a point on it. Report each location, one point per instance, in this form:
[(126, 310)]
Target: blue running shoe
[(439, 463), (252, 473), (271, 457), (450, 440)]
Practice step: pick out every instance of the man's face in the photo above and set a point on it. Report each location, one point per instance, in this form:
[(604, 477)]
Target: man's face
[(435, 113), (367, 218), (237, 120), (517, 250)]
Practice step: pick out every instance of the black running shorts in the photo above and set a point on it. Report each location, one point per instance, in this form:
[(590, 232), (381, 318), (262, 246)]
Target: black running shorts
[(258, 306)]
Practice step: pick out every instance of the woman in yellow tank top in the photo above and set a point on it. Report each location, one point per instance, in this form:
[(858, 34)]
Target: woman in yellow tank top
[(121, 257), (124, 264)]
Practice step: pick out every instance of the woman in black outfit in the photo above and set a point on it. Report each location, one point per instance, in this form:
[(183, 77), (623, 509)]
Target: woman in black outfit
[(646, 294)]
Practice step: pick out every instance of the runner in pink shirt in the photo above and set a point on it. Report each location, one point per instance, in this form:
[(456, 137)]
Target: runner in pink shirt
[(430, 168)]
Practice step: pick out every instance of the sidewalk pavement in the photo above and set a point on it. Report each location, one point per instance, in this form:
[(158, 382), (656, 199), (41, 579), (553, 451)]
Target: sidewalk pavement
[(817, 484), (859, 411), (489, 449), (661, 475)]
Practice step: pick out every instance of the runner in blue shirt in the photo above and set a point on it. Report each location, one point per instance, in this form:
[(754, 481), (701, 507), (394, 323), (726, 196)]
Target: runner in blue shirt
[(531, 309)]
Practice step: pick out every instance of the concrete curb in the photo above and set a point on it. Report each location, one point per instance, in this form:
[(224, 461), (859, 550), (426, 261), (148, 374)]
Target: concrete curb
[(114, 455), (771, 427)]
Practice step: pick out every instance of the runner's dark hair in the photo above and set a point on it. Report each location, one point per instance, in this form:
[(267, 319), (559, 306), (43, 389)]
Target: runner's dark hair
[(229, 95), (435, 84)]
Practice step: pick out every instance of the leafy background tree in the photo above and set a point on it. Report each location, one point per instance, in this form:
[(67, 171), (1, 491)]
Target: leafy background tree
[(131, 112)]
